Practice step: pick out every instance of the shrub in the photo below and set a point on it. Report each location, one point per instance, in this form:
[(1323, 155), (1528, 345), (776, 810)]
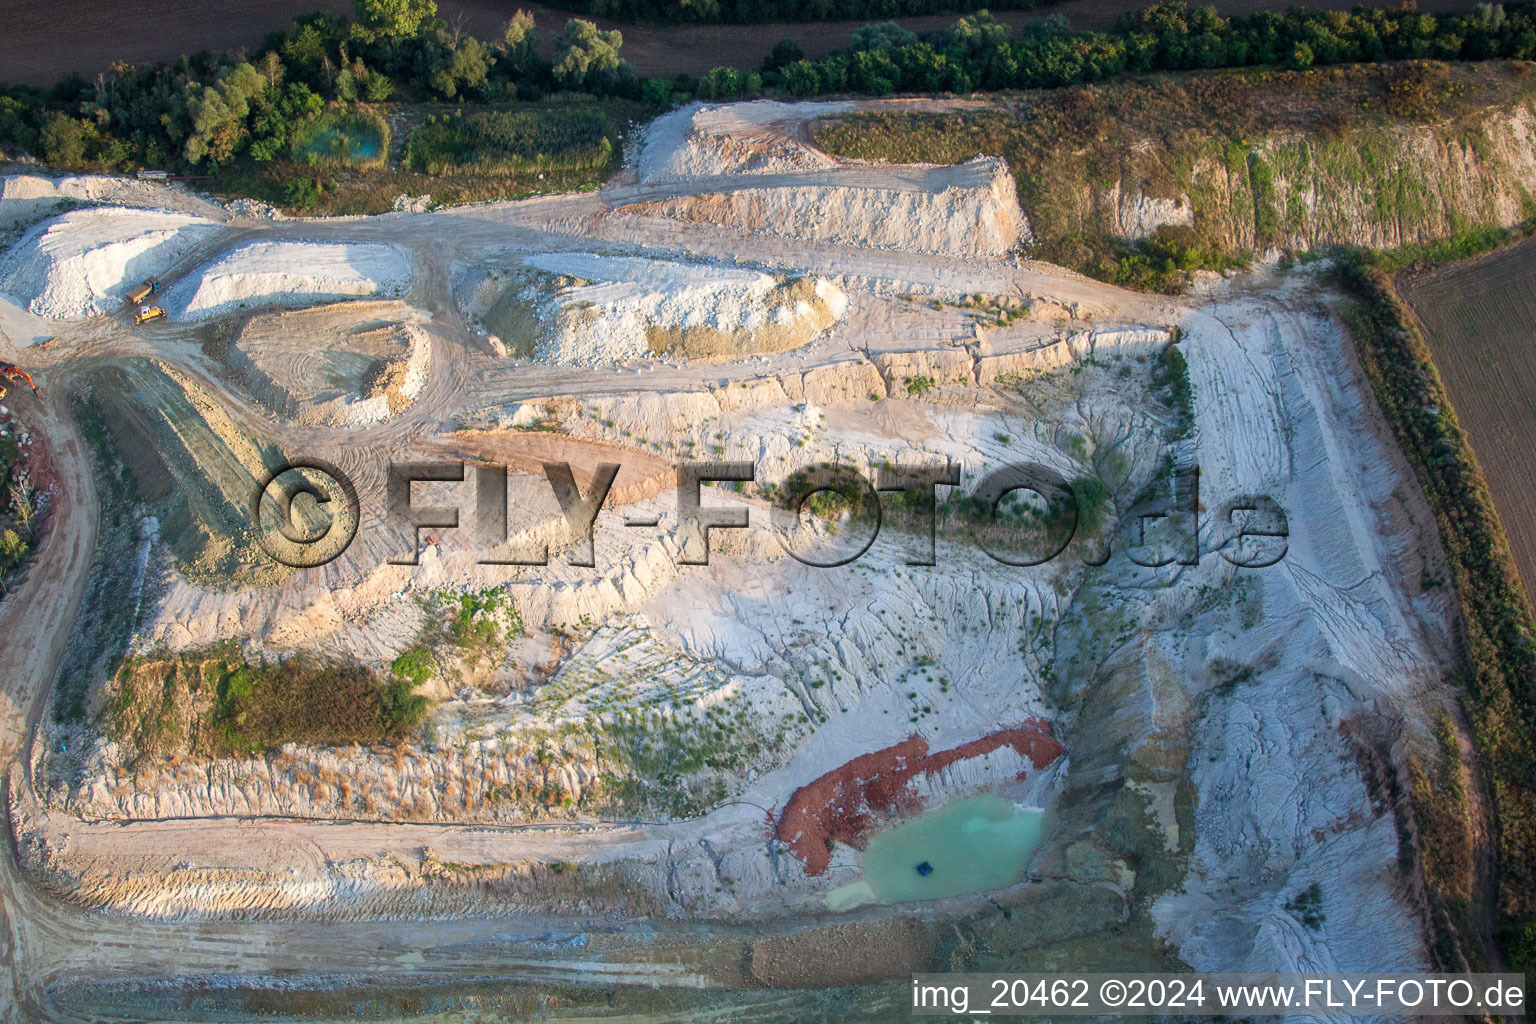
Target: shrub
[(415, 664), (1092, 499), (403, 709), (1307, 907), (919, 385), (302, 193), (1171, 375), (13, 550)]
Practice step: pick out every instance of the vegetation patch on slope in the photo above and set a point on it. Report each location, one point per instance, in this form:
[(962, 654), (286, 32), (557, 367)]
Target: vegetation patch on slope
[(216, 704), (18, 504), (508, 142), (1498, 678), (1142, 181)]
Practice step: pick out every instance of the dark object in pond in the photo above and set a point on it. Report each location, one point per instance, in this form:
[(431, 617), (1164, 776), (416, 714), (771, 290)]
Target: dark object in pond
[(925, 869)]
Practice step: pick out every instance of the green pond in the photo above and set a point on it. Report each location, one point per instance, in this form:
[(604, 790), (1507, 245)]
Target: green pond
[(340, 145), (984, 842)]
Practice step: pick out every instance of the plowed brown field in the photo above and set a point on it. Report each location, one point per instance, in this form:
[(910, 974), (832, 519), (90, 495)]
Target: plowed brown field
[(1480, 320), (41, 41)]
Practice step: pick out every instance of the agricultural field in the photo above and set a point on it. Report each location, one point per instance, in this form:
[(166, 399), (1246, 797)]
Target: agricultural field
[(1479, 317)]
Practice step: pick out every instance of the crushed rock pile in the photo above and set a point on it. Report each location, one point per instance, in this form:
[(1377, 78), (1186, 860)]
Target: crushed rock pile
[(290, 274), (79, 264), (784, 185), (635, 308), (26, 198), (300, 374), (740, 138)]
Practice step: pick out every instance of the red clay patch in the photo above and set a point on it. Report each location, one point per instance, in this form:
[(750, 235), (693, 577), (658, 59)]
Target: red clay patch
[(842, 804)]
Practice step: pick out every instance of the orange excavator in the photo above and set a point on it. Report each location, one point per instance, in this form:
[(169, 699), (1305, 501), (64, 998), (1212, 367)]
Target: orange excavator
[(10, 371)]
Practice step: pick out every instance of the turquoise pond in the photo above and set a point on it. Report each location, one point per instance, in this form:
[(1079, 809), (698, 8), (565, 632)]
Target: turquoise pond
[(332, 142), (983, 842)]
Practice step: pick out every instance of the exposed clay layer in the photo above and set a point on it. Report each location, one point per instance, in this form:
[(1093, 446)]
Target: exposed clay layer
[(842, 804)]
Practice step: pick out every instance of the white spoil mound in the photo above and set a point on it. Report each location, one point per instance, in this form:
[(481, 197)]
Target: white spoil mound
[(966, 211), (79, 264), (776, 182), (738, 138), (26, 198), (636, 308), (289, 274)]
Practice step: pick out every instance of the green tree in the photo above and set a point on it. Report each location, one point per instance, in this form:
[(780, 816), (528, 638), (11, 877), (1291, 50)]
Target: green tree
[(587, 58), (519, 45), (802, 78), (872, 71), (218, 114), (302, 193), (885, 38), (730, 84), (392, 19), (304, 50), (271, 67), (12, 549), (657, 92), (16, 123), (450, 68), (378, 87), (785, 51), (64, 140)]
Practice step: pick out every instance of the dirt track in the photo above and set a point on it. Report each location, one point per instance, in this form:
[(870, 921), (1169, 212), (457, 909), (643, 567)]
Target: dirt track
[(43, 41), (50, 595)]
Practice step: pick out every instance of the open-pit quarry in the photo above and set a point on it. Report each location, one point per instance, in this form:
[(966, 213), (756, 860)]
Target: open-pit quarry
[(641, 775)]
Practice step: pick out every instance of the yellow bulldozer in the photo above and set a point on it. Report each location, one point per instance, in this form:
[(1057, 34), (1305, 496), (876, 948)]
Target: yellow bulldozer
[(148, 313)]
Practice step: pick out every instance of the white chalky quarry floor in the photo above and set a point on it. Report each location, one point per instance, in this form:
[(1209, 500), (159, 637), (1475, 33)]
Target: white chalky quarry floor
[(667, 789)]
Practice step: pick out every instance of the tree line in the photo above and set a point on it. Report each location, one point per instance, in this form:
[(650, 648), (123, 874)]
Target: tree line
[(203, 111), (979, 53), (752, 12)]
